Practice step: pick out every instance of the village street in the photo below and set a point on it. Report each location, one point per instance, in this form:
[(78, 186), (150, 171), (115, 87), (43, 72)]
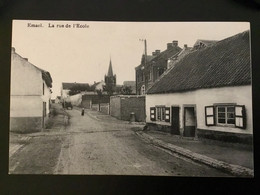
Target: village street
[(100, 144)]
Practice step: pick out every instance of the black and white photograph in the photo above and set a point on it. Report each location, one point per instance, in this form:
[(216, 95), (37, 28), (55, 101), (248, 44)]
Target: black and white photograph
[(131, 98)]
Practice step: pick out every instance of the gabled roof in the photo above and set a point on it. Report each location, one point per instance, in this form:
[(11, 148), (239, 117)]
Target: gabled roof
[(206, 42), (70, 85), (46, 76), (225, 63), (148, 59), (95, 84), (162, 57)]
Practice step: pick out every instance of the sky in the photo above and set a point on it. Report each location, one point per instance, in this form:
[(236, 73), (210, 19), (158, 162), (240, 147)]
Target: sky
[(81, 53)]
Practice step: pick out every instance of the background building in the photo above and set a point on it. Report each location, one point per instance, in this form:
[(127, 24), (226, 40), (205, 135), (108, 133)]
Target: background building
[(152, 67)]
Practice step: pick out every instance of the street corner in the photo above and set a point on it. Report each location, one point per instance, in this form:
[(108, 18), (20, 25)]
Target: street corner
[(16, 142)]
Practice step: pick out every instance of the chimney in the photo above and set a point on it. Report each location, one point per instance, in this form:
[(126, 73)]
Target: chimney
[(26, 59), (156, 52), (13, 49), (175, 43), (185, 46), (169, 45)]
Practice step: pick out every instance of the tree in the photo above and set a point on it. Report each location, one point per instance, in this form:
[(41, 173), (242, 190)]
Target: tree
[(110, 89), (126, 90), (78, 88)]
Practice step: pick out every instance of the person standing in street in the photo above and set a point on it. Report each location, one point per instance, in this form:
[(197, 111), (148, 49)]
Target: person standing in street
[(82, 112)]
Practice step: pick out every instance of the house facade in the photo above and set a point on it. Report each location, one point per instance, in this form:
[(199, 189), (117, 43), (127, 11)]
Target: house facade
[(30, 95), (152, 67), (206, 94)]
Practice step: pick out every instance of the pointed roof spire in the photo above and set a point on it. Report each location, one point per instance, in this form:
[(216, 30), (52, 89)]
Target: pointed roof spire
[(110, 70)]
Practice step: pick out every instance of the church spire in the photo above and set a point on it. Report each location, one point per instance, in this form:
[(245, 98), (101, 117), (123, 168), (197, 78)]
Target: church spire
[(110, 70)]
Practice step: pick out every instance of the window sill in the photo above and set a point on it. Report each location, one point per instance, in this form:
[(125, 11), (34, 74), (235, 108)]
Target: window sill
[(162, 123)]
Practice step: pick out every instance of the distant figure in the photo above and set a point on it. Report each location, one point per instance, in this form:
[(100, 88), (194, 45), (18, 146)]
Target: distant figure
[(82, 112)]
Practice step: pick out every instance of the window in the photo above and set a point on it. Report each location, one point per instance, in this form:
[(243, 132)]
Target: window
[(160, 113), (152, 114), (44, 109), (226, 115), (43, 89), (142, 90)]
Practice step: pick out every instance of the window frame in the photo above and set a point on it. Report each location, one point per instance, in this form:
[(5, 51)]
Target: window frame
[(160, 113), (226, 115), (240, 118)]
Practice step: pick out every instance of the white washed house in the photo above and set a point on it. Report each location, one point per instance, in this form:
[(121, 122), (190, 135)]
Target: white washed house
[(30, 95), (207, 94)]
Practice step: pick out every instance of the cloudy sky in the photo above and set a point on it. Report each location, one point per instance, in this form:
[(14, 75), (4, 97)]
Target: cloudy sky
[(82, 54)]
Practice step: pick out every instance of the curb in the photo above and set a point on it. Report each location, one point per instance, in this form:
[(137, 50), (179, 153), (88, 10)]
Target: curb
[(230, 168)]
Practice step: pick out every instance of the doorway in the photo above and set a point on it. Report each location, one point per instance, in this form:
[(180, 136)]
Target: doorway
[(175, 127), (190, 121)]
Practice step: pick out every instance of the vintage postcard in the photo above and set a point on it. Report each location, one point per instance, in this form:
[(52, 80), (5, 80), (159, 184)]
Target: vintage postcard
[(131, 98)]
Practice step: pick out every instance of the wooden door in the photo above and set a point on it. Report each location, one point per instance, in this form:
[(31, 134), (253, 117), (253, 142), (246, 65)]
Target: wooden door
[(189, 122), (175, 127)]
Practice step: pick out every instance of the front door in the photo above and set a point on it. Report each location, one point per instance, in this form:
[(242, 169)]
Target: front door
[(175, 128), (189, 122)]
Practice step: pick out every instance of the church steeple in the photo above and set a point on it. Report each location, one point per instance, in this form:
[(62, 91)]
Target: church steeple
[(110, 70), (110, 79)]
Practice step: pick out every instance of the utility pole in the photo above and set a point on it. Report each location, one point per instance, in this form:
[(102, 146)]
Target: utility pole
[(145, 50)]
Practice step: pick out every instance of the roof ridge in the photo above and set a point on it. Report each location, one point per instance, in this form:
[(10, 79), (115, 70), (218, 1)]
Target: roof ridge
[(212, 66)]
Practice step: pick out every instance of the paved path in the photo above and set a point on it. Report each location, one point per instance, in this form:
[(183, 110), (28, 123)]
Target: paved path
[(103, 145)]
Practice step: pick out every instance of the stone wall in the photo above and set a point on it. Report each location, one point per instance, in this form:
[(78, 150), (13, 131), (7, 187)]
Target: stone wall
[(134, 104), (115, 107), (123, 105)]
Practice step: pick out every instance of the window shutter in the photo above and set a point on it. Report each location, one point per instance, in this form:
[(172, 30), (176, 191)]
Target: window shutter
[(167, 114), (210, 115), (152, 113), (240, 116)]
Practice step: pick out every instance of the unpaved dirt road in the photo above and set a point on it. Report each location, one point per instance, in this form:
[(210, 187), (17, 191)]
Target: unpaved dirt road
[(102, 145)]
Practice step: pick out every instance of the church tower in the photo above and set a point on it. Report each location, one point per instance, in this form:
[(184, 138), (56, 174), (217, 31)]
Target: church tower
[(110, 79)]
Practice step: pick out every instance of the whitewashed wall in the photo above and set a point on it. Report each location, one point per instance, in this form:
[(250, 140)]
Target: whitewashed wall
[(241, 95), (25, 78), (25, 106), (27, 89)]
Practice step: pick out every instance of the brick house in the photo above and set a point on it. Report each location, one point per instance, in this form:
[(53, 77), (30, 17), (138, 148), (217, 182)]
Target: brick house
[(208, 93), (153, 66), (30, 95)]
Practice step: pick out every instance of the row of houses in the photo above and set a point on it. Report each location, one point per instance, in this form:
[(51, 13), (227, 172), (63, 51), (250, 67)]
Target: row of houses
[(204, 91)]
